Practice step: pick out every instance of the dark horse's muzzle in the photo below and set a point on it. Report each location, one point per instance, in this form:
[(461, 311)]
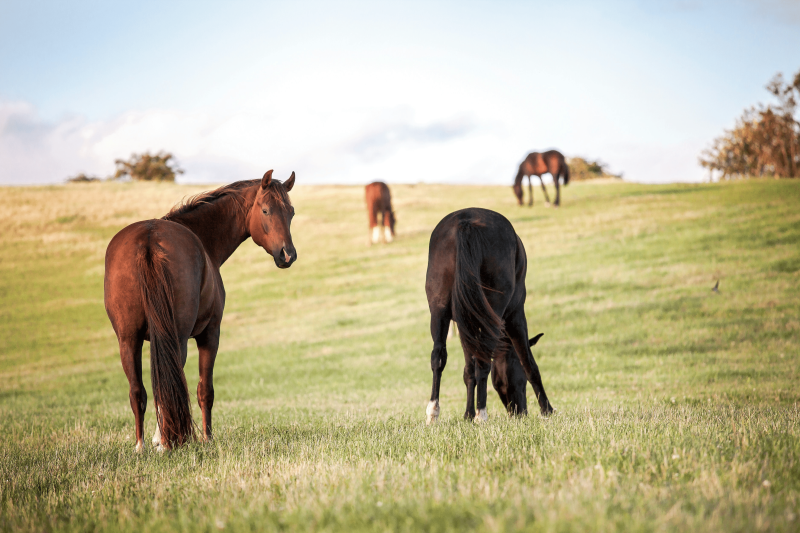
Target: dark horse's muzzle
[(285, 257)]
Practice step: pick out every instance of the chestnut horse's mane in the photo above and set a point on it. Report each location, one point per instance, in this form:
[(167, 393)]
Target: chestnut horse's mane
[(276, 191)]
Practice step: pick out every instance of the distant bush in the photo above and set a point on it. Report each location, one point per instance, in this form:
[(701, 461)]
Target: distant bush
[(81, 178), (146, 167), (585, 169), (765, 141)]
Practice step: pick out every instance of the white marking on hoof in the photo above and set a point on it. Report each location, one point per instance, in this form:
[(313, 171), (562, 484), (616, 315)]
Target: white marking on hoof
[(376, 235), (139, 447), (157, 435), (432, 411), (481, 416), (387, 232), (161, 449)]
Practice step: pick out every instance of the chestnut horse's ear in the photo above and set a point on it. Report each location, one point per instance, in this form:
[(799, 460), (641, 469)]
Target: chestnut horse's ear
[(535, 339), (289, 183), (265, 181)]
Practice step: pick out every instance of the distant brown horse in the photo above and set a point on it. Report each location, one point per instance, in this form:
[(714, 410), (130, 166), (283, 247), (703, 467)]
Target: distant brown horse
[(476, 276), (537, 164), (379, 201), (162, 285)]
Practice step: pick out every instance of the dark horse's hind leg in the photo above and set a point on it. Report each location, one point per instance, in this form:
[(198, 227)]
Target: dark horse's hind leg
[(544, 190), (207, 345), (469, 382), (130, 351), (517, 329), (482, 370), (440, 322)]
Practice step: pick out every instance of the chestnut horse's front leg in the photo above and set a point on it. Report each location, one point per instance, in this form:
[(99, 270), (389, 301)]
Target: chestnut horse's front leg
[(207, 345)]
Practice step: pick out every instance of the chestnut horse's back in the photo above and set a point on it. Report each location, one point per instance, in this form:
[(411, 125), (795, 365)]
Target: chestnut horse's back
[(379, 202)]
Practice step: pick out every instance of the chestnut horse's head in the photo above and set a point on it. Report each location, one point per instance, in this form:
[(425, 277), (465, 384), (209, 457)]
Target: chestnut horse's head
[(518, 191), (270, 218)]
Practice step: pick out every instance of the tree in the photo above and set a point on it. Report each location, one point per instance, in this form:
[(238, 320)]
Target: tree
[(146, 167), (585, 169), (765, 141)]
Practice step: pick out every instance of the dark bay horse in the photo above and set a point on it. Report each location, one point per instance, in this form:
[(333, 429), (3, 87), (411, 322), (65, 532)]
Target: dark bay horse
[(476, 276), (162, 285), (537, 164), (379, 201)]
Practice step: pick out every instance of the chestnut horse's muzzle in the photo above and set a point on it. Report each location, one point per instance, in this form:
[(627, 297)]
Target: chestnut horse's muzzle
[(285, 257)]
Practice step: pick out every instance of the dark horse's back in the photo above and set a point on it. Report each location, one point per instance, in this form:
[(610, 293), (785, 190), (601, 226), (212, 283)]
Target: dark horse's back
[(476, 277)]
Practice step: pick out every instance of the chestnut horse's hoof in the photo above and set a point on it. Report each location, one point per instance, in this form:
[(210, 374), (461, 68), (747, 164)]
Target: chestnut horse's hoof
[(139, 447)]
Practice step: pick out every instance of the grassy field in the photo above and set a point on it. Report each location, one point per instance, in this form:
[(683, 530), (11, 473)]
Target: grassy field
[(677, 407)]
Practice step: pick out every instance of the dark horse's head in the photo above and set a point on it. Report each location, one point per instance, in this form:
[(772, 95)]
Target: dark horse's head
[(270, 218)]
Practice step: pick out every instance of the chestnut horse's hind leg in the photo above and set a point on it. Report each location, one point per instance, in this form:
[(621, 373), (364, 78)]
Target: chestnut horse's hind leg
[(544, 190), (440, 320), (130, 351), (207, 345), (558, 189), (387, 226), (517, 330)]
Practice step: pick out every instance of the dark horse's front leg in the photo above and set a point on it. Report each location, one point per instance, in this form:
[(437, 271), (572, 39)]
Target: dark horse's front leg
[(440, 322), (207, 345)]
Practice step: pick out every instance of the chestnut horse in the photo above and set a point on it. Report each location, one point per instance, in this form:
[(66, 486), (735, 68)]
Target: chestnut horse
[(162, 285), (476, 276), (379, 201), (537, 164)]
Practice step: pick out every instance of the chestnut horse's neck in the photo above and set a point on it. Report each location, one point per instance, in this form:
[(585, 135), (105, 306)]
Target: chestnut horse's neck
[(221, 224)]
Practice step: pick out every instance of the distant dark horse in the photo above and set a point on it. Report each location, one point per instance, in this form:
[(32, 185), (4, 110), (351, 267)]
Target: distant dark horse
[(379, 201), (537, 164), (476, 276), (162, 284)]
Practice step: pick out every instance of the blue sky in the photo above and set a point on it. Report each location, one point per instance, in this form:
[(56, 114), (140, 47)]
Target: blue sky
[(352, 92)]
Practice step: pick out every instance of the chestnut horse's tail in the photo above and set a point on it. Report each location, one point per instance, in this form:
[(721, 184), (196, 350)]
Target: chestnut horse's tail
[(565, 171), (170, 392), (482, 330)]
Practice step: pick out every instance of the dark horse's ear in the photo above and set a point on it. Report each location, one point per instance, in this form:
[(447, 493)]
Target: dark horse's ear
[(535, 339), (267, 179), (289, 183)]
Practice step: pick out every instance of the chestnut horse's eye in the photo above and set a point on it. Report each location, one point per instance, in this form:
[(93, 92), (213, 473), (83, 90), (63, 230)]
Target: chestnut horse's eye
[(265, 211)]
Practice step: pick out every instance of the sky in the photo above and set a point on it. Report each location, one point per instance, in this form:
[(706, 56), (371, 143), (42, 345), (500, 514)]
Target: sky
[(404, 92)]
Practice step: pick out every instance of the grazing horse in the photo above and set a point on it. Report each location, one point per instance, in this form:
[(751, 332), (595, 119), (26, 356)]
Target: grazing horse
[(163, 285), (537, 164), (379, 200), (476, 276)]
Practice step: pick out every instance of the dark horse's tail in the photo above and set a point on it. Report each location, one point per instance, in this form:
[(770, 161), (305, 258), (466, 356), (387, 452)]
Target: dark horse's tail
[(481, 329), (170, 392), (566, 174)]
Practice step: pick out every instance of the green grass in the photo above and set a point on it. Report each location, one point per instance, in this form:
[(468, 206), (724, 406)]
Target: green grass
[(677, 407)]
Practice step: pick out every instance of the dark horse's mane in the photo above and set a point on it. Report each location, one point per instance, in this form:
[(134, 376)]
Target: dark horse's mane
[(276, 191)]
